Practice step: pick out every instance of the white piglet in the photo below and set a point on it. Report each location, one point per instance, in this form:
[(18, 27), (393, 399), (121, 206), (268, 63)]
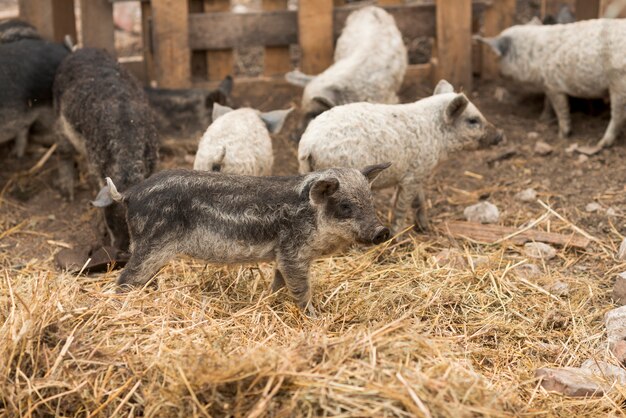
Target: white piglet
[(414, 137), (238, 141)]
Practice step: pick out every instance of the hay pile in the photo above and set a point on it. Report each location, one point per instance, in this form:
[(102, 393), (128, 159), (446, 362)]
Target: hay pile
[(398, 335)]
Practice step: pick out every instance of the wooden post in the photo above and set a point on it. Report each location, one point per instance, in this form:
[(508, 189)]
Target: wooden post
[(172, 58), (454, 42), (96, 19), (277, 60), (497, 18), (587, 9), (315, 33), (146, 36), (219, 63), (53, 18)]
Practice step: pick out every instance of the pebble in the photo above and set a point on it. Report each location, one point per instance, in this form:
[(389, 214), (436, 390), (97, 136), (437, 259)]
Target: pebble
[(571, 148), (619, 351), (483, 212), (528, 271), (451, 258), (502, 95), (611, 211), (559, 288), (543, 148), (533, 136), (593, 207), (582, 158), (527, 195), (619, 288), (539, 250), (621, 253), (570, 381), (615, 323)]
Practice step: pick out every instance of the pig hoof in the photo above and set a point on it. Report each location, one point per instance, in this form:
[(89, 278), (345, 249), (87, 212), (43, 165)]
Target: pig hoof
[(565, 134), (605, 143), (421, 228), (309, 311)]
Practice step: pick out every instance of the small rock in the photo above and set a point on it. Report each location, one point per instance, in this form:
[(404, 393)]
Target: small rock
[(621, 253), (582, 158), (577, 173), (528, 271), (502, 95), (543, 148), (479, 260), (451, 258), (527, 195), (539, 250), (619, 288), (615, 323), (605, 371), (571, 148), (611, 211), (593, 207), (483, 212), (570, 381), (533, 136), (619, 351), (559, 288), (189, 158), (589, 149)]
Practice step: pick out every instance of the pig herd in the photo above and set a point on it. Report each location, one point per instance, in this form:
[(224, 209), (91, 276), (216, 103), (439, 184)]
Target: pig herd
[(355, 137)]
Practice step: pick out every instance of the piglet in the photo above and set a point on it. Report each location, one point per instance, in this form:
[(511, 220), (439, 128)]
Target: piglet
[(233, 219)]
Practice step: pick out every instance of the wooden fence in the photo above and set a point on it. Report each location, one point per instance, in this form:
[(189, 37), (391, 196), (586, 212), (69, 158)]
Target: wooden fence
[(190, 41)]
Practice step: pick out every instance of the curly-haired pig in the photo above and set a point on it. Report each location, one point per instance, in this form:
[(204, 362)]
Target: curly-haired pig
[(184, 112), (369, 65), (105, 116), (238, 141), (27, 68), (583, 59), (415, 136), (233, 219)]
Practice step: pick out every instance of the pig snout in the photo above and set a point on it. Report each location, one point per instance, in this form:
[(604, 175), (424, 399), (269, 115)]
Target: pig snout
[(493, 136), (381, 234)]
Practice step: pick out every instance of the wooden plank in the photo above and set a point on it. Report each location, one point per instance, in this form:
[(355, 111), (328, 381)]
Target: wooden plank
[(53, 18), (491, 234), (497, 18), (146, 36), (277, 59), (172, 57), (587, 9), (96, 20), (136, 67), (315, 33), (220, 63), (454, 40)]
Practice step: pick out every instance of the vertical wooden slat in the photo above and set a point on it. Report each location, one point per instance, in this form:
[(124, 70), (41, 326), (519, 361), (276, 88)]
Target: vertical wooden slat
[(454, 39), (315, 33), (96, 20), (277, 60), (587, 9), (53, 18), (146, 35), (497, 18), (172, 57), (220, 63)]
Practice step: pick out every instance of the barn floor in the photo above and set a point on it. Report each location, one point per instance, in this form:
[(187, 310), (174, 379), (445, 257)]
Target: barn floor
[(397, 334)]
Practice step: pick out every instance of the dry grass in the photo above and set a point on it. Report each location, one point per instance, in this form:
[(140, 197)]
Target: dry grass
[(397, 336)]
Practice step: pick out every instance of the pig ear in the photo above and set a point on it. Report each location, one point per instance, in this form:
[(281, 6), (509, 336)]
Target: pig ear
[(535, 21), (456, 107), (323, 189), (103, 199), (500, 44), (328, 98), (219, 110), (298, 78), (443, 87), (275, 119), (221, 94), (372, 171)]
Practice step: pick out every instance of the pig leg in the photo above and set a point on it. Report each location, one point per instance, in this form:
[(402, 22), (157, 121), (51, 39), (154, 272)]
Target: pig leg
[(560, 103), (408, 196), (296, 276), (65, 167), (618, 112), (279, 281), (419, 206), (547, 113), (143, 265)]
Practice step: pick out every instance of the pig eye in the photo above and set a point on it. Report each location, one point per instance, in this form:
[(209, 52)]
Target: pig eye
[(473, 122), (216, 167), (344, 210)]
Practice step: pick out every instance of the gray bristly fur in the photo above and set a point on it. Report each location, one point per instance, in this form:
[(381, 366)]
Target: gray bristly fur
[(104, 114), (27, 68), (369, 65), (583, 59), (231, 219), (415, 136), (183, 112)]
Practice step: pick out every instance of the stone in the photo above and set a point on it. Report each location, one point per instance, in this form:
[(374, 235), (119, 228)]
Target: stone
[(527, 195), (502, 95), (605, 371), (621, 253), (451, 258), (582, 158), (593, 207), (559, 288), (528, 271), (543, 148), (570, 381), (533, 136), (539, 250), (619, 288), (571, 148), (482, 212), (611, 211), (479, 260), (615, 323), (619, 351)]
